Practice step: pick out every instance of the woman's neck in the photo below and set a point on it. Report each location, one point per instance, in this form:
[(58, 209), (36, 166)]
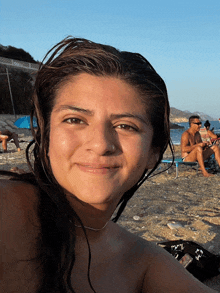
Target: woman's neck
[(94, 218)]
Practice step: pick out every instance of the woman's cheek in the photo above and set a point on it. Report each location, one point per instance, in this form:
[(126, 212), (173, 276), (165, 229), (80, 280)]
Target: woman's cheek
[(58, 143)]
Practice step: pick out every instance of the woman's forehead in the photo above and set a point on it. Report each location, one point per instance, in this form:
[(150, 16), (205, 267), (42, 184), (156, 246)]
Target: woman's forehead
[(86, 89)]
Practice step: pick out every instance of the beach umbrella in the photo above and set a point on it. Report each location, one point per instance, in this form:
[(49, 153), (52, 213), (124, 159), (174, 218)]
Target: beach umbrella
[(24, 122)]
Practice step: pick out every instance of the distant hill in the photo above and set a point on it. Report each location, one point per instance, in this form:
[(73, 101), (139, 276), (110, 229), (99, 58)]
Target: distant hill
[(178, 116)]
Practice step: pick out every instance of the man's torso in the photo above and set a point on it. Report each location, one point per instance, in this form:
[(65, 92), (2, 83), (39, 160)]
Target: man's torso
[(192, 140)]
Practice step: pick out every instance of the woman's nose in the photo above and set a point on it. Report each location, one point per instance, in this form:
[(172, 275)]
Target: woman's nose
[(102, 140)]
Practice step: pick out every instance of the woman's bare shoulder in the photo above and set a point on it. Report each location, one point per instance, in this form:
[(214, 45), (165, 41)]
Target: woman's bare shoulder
[(17, 189), (142, 252), (18, 199), (159, 270), (135, 242)]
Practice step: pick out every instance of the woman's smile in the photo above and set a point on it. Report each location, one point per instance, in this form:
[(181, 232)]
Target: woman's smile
[(100, 138), (97, 169)]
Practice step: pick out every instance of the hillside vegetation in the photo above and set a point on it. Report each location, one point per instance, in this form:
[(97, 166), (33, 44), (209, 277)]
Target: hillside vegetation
[(17, 54)]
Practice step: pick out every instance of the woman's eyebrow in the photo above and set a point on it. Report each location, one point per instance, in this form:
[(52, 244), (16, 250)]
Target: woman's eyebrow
[(75, 109), (129, 115), (91, 113)]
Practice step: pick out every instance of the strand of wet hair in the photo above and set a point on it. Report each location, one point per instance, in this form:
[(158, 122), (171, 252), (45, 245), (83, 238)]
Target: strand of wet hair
[(127, 196), (76, 216)]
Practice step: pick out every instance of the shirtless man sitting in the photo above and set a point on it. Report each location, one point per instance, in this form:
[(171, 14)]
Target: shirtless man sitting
[(5, 136), (192, 147)]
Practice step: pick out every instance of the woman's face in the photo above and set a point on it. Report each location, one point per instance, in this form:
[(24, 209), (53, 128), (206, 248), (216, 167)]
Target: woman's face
[(100, 138)]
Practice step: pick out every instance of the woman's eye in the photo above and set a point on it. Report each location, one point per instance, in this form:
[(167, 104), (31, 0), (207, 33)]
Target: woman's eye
[(73, 121), (127, 127)]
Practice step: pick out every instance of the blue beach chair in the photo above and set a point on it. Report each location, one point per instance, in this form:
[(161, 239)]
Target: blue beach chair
[(178, 161)]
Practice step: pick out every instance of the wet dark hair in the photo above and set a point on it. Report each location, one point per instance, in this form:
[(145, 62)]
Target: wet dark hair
[(207, 124), (191, 118), (70, 57)]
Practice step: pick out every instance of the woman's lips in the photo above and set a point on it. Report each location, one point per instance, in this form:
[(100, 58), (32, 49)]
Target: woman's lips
[(97, 169)]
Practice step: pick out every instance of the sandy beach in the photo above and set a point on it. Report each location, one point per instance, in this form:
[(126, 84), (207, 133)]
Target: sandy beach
[(190, 200)]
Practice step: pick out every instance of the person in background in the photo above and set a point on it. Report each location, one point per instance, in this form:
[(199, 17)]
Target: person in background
[(208, 134), (6, 136), (103, 126), (194, 149)]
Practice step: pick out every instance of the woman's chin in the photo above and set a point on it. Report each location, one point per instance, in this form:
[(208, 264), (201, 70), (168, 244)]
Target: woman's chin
[(98, 198)]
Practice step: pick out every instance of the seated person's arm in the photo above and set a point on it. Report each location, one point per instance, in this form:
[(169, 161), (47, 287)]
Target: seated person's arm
[(203, 144), (185, 147), (212, 135)]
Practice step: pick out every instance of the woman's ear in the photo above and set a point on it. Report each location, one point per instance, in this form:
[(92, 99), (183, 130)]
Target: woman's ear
[(152, 159)]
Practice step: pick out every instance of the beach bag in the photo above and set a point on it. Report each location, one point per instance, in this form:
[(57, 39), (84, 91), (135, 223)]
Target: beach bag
[(201, 263)]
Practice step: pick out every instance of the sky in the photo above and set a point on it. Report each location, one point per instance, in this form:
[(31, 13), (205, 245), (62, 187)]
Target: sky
[(181, 39)]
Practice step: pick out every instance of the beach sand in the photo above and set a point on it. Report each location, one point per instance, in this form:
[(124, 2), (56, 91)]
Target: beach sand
[(191, 200)]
